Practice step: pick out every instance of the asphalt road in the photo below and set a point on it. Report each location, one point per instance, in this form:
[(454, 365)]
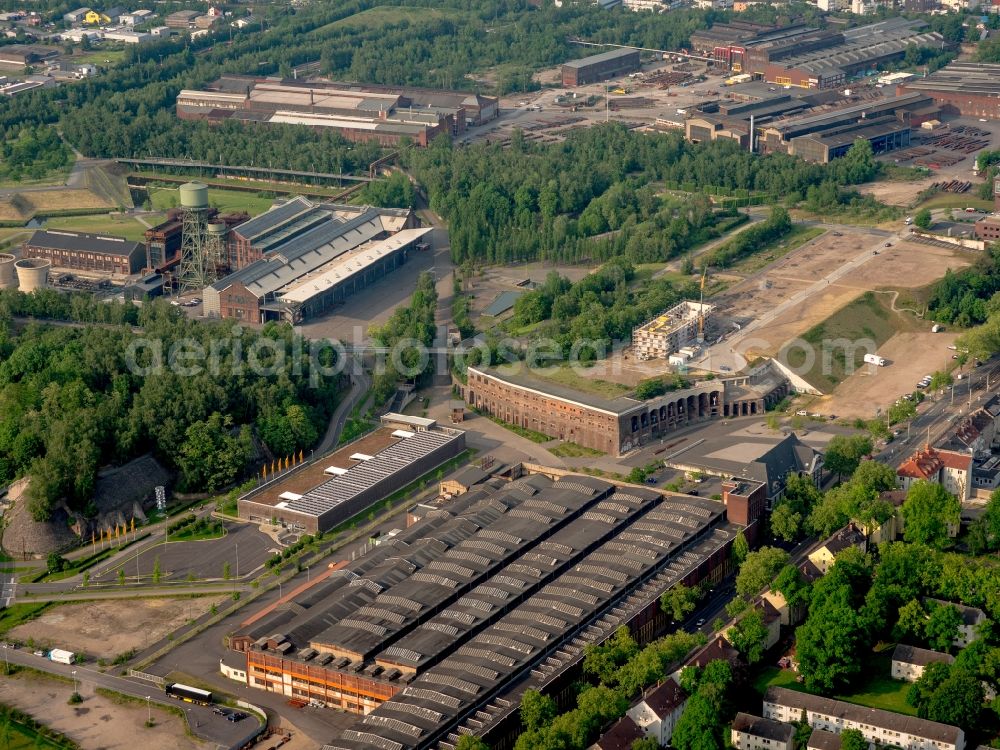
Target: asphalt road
[(203, 722), (935, 420)]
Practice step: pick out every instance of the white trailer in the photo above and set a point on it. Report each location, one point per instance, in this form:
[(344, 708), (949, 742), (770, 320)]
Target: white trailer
[(61, 656), (874, 359)]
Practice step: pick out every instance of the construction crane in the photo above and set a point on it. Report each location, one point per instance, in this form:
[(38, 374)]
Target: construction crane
[(701, 307)]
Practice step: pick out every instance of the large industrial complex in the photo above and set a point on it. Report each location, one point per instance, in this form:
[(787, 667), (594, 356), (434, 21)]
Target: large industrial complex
[(817, 126), (378, 114), (348, 483), (300, 259), (497, 588), (615, 426), (812, 58), (962, 88)]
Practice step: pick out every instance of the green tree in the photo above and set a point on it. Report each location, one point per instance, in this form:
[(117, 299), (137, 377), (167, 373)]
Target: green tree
[(679, 601), (157, 573), (927, 512), (646, 743), (121, 577), (227, 571), (603, 660), (922, 691), (941, 627), (844, 453), (469, 742), (940, 380), (210, 456), (853, 739), (911, 621), (740, 548), (698, 727), (923, 218), (786, 522), (958, 701), (759, 570), (829, 642), (749, 635), (537, 710)]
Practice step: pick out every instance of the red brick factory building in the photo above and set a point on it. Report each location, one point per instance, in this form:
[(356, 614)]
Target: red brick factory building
[(615, 426), (962, 88)]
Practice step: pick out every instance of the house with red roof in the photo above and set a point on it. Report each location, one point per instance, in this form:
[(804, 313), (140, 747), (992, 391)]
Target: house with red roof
[(951, 469)]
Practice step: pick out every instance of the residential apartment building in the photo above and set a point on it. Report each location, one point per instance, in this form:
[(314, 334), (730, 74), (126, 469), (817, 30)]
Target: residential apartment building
[(968, 629), (951, 469), (877, 726), (909, 662), (751, 732), (659, 710), (824, 556)]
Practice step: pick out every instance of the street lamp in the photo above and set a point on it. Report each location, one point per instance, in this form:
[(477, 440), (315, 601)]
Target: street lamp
[(149, 711), (74, 682), (237, 561)]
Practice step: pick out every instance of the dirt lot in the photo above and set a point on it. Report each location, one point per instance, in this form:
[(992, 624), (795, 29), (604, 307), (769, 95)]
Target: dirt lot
[(105, 629), (905, 265), (910, 356), (97, 722), (901, 193), (752, 298)]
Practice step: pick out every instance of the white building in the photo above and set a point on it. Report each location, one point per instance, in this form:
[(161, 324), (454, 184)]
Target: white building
[(968, 629), (135, 17), (751, 732), (670, 331), (877, 726), (659, 710), (951, 469), (909, 662)]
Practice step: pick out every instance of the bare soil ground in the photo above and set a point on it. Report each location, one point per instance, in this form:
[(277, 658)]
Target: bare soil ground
[(105, 629), (97, 722), (910, 355), (900, 193), (904, 265)]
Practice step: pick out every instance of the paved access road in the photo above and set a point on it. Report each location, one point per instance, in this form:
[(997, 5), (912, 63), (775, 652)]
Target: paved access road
[(203, 722)]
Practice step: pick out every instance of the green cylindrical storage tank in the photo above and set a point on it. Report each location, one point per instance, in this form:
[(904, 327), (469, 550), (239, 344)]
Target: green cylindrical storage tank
[(194, 195)]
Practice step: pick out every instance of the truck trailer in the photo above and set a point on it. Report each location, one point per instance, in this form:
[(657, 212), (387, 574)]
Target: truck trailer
[(62, 657), (874, 359)]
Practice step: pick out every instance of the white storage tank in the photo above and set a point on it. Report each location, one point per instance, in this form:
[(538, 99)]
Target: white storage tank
[(8, 277), (32, 273)]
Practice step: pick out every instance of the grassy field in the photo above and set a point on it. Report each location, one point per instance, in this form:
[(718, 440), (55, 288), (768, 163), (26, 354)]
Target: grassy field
[(795, 239), (119, 226), (17, 733), (224, 200), (867, 317), (572, 450), (951, 200), (100, 57), (57, 177), (568, 377), (878, 690), (17, 614)]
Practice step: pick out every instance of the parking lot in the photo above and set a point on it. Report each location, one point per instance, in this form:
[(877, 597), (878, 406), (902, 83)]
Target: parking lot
[(243, 547)]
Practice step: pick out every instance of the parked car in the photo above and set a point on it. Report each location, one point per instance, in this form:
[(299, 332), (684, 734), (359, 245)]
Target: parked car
[(801, 413)]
